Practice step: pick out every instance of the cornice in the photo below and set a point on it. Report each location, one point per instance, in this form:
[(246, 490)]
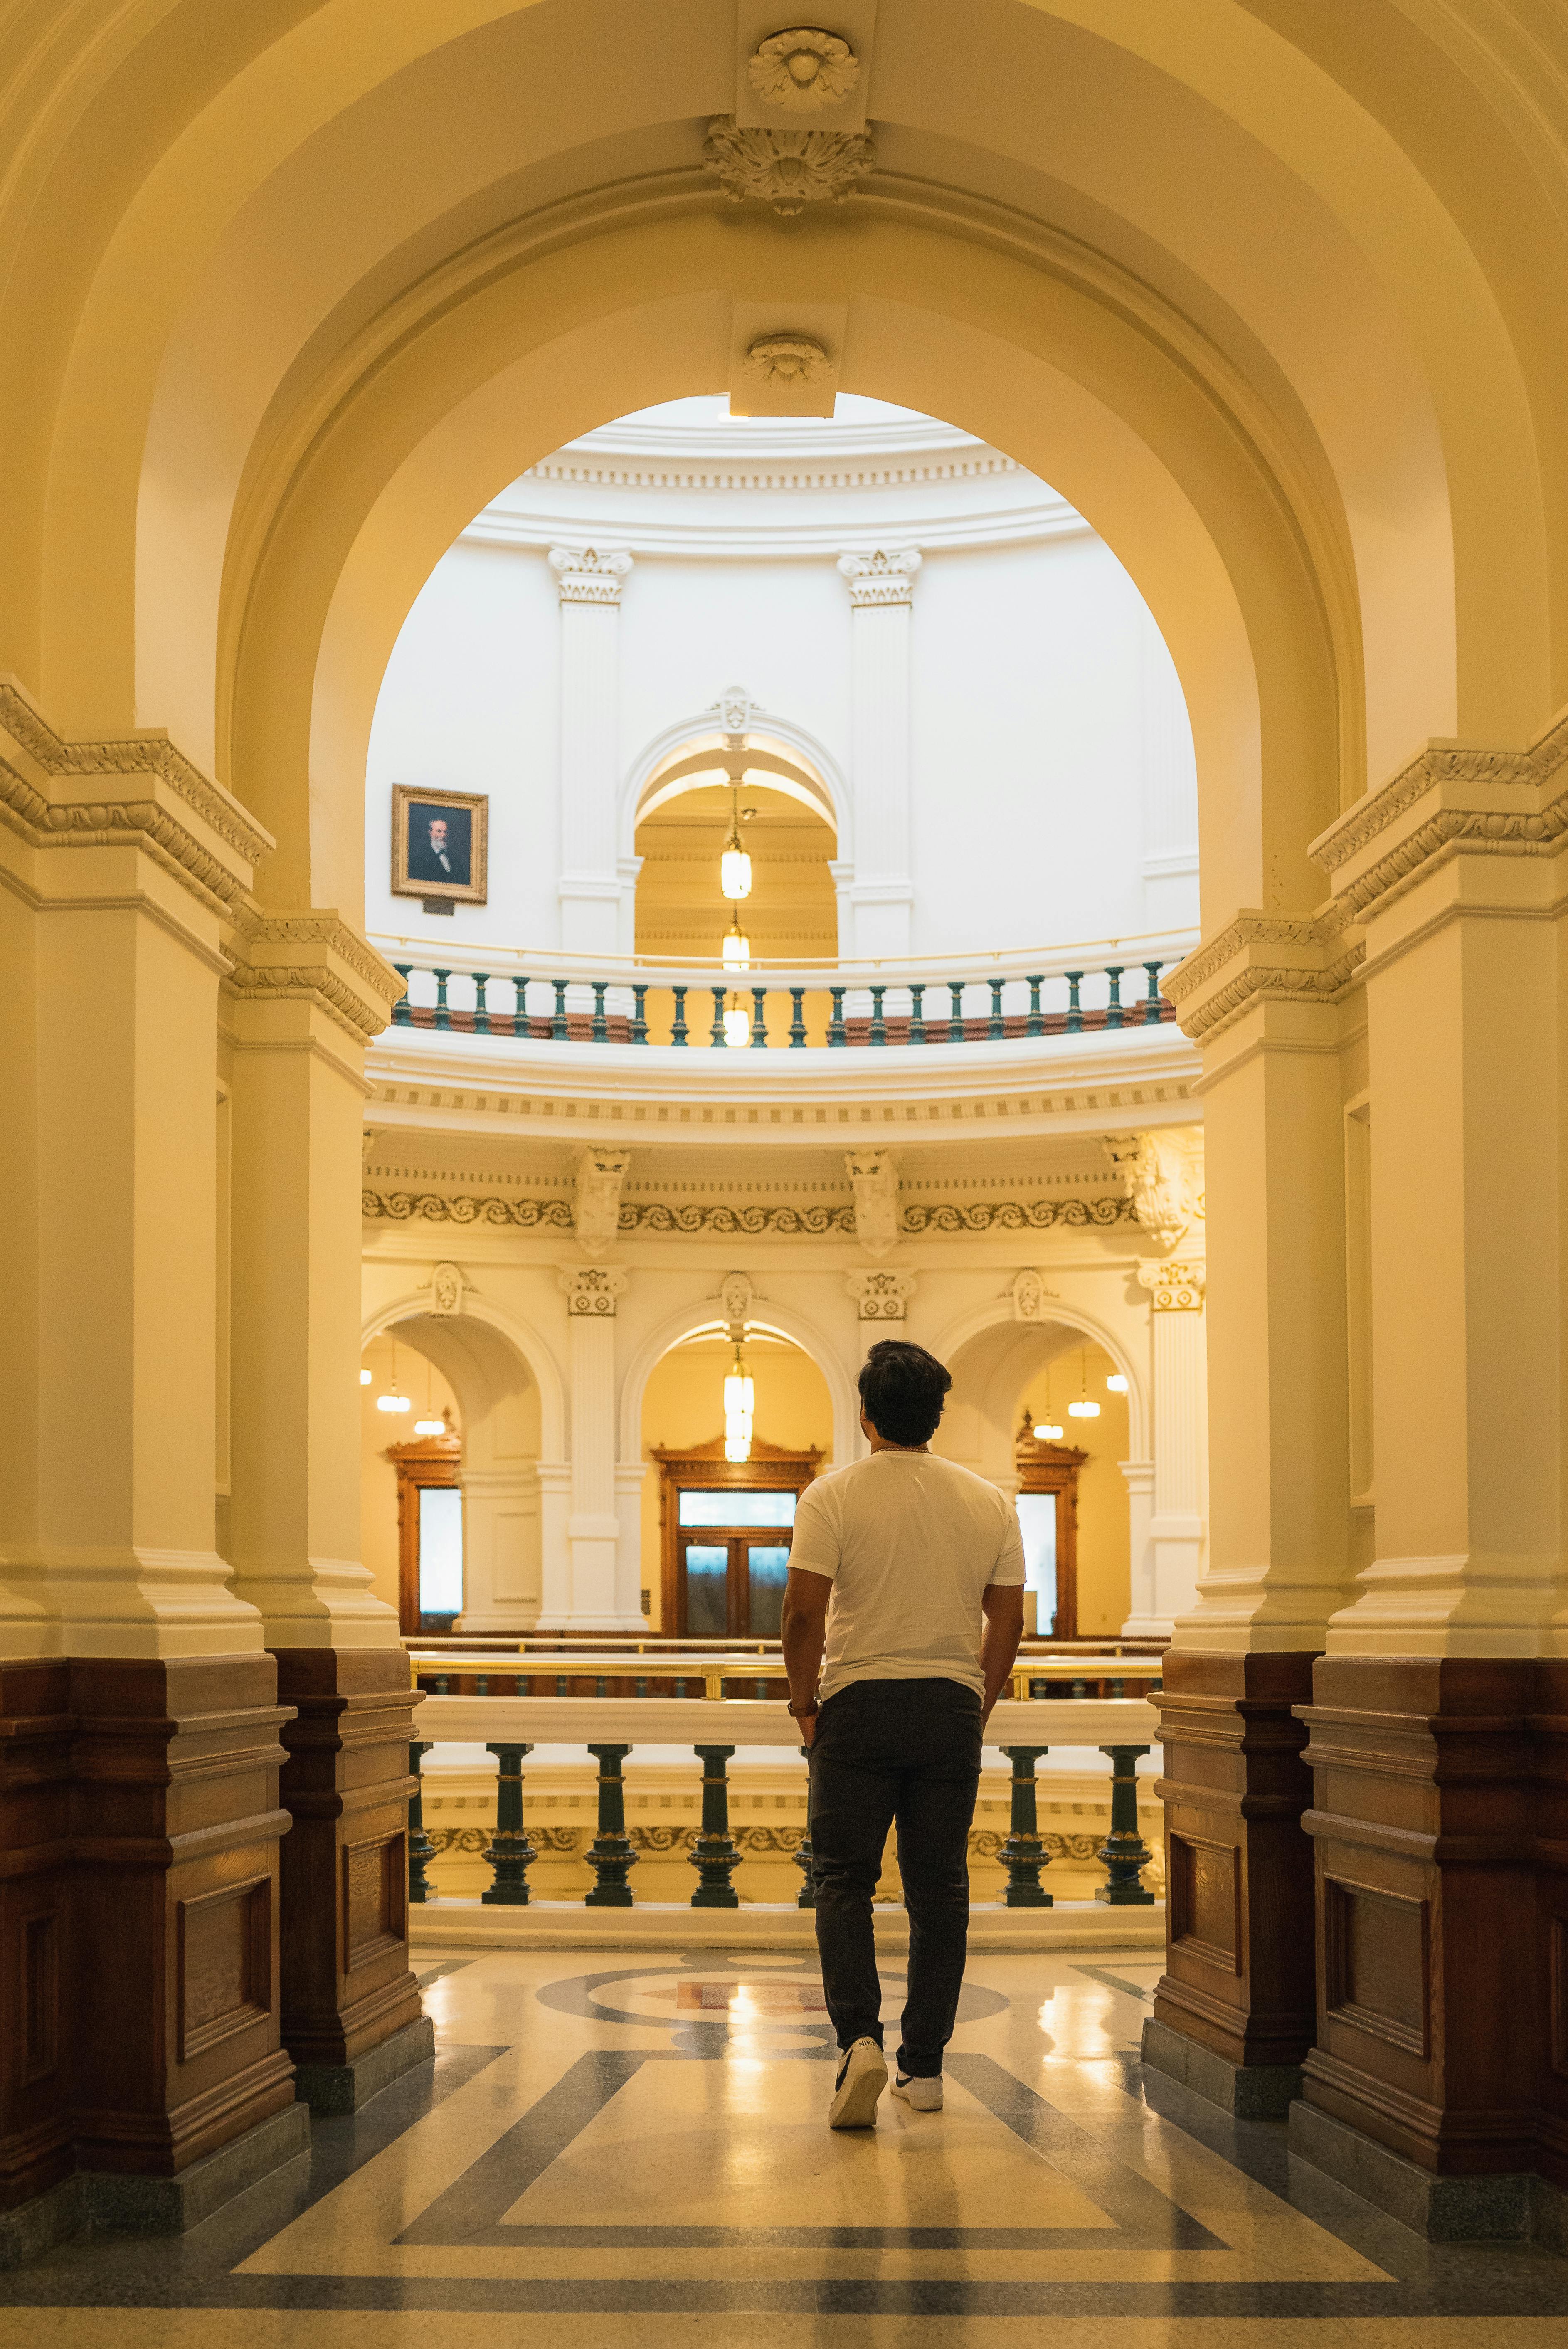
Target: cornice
[(313, 956), (1305, 959), (659, 1218), (787, 536)]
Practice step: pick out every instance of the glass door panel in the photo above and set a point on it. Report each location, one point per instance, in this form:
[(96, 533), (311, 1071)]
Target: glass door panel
[(440, 1550), (1038, 1523), (706, 1589), (766, 1569)]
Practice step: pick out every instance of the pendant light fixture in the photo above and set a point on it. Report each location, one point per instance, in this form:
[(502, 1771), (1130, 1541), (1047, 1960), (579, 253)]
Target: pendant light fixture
[(735, 866), (365, 1377), (1083, 1408), (1051, 1433), (430, 1425), (737, 1024), (736, 946), (1117, 1382), (740, 1400), (394, 1399)]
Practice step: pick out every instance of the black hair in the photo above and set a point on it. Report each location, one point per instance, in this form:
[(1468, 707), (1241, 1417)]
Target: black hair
[(903, 1389)]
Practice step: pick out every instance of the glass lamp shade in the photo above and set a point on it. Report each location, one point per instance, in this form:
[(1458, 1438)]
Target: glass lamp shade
[(365, 1377), (735, 872), (1083, 1410), (739, 1395), (393, 1402), (1117, 1384), (736, 951), (1051, 1434), (739, 1447), (736, 1029), (429, 1427)]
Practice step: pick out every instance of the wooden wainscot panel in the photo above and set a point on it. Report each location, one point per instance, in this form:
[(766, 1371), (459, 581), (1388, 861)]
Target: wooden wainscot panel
[(1549, 1746), (1239, 1953), (36, 1733), (173, 2017), (346, 1982), (1430, 2015)]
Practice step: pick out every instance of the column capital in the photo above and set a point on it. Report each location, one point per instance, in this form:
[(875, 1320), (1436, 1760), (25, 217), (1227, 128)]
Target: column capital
[(584, 576), (592, 1290), (1297, 958), (313, 957), (881, 577), (881, 1296), (1174, 1285)]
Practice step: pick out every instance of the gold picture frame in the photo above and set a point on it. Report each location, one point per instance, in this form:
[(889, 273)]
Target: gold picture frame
[(432, 829)]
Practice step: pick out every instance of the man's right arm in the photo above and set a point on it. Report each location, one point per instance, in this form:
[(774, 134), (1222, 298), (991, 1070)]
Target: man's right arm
[(1002, 1606)]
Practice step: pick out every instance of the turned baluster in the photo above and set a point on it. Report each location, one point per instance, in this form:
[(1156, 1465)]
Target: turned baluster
[(1023, 1855), (1124, 1853), (1113, 1007), (806, 1896), (715, 1856), (611, 1850), (797, 1019), (599, 1032), (995, 1029), (716, 1034), (443, 1016), (917, 1011), (759, 1021), (1152, 1002), (520, 1005), (956, 1006), (639, 1029), (481, 1009), (836, 1031), (509, 1853), (878, 1025), (678, 1029), (403, 1010), (421, 1850), (1037, 1023), (558, 1016), (1075, 1009)]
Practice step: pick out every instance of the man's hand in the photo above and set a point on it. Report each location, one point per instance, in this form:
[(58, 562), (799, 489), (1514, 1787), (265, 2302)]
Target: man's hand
[(805, 1723), (803, 1632), (1003, 1605)]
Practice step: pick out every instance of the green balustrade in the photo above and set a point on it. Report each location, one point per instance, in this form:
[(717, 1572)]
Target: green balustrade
[(1023, 1855), (1113, 1007), (1152, 1004), (403, 1011), (1036, 1025), (611, 1850), (558, 1016), (600, 1028), (679, 1030), (509, 1853), (1075, 1009), (797, 1019), (837, 1033), (996, 1027), (878, 1025), (716, 1034), (443, 1015), (481, 1008), (758, 1019), (714, 1855), (917, 1012), (639, 1029), (1124, 1853)]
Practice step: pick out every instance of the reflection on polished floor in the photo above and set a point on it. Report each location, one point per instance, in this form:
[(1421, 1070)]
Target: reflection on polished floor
[(635, 2151)]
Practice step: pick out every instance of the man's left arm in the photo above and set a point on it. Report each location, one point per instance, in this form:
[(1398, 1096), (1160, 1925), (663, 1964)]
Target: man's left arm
[(1002, 1606), (803, 1633)]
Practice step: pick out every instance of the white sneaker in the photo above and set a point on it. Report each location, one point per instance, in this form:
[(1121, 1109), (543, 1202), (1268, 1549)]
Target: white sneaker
[(922, 2096), (862, 2076)]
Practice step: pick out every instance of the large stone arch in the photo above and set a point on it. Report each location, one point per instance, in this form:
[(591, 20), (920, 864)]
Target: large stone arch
[(685, 1320)]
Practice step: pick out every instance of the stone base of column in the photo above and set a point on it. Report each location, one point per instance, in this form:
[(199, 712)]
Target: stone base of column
[(346, 1983), (1238, 1979), (332, 2090), (1252, 2092), (1476, 2208)]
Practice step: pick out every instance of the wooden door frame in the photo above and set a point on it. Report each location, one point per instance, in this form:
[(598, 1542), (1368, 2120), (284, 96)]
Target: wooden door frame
[(1044, 1467), (705, 1469), (429, 1460)]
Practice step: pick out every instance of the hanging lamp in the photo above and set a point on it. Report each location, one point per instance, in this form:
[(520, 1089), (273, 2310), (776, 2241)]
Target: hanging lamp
[(734, 864), (430, 1425), (1052, 1434), (1083, 1408), (736, 946), (393, 1400), (740, 1400)]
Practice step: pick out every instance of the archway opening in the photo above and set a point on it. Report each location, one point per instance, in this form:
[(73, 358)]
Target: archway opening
[(790, 912)]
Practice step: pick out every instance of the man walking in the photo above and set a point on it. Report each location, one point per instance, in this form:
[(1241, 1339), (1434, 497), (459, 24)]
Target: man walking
[(909, 1571)]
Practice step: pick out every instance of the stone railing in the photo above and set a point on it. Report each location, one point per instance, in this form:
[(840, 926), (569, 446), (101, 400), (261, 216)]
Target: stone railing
[(559, 998), (711, 1729), (714, 1670)]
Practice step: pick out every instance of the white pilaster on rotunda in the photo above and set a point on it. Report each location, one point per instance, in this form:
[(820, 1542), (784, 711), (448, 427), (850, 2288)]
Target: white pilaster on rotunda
[(595, 893), (596, 1601), (874, 908), (1169, 1491)]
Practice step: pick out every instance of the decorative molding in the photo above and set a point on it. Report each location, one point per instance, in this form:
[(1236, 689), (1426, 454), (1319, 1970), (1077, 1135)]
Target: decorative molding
[(803, 70), (1174, 1288), (1012, 1216), (1031, 1295), (429, 1207), (792, 360), (880, 579), (736, 1294), (1159, 1182), (1309, 958), (781, 1223), (735, 709), (583, 575), (448, 1283), (312, 957), (787, 169), (788, 471), (874, 1173), (596, 1211), (881, 1296), (592, 1290)]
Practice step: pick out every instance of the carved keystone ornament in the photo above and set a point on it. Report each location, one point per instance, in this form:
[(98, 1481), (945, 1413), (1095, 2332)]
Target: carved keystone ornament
[(787, 169), (804, 70), (787, 358)]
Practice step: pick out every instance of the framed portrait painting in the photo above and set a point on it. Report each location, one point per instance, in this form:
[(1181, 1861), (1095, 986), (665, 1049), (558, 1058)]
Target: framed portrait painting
[(439, 846)]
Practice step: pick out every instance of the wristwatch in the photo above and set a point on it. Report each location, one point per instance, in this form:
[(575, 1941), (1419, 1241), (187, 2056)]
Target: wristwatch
[(802, 1711)]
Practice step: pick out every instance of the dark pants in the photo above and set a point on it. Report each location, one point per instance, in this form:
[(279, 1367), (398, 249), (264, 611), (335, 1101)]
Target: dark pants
[(910, 1751)]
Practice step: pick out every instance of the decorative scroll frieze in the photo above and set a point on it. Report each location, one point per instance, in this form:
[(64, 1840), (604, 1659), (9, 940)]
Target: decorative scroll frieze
[(592, 1290), (430, 1207), (656, 1217), (1174, 1288), (585, 576), (312, 957), (783, 1223), (880, 579), (1016, 1215), (787, 169), (881, 1296)]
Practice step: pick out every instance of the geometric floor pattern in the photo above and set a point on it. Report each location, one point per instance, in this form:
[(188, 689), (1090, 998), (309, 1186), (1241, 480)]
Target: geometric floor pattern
[(635, 2152)]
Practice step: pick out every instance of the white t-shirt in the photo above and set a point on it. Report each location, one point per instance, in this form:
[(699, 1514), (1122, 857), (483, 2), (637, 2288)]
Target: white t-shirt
[(909, 1542)]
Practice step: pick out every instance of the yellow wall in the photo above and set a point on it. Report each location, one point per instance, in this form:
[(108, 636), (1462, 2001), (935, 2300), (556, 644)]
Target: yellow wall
[(683, 1406), (378, 1430), (1104, 1550)]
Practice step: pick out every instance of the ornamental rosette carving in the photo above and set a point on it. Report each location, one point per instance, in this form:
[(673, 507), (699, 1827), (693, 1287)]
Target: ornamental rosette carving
[(787, 169), (803, 70)]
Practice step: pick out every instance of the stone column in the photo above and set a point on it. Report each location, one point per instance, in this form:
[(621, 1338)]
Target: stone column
[(139, 1806), (593, 1527), (1177, 1513), (881, 589), (306, 995), (1436, 1721), (1233, 2013), (595, 896)]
